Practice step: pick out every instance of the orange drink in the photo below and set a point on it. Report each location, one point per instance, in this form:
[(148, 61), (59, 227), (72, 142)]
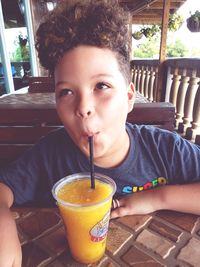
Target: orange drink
[(85, 213)]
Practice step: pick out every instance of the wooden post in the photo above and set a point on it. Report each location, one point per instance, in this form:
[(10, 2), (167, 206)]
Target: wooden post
[(162, 55), (38, 10)]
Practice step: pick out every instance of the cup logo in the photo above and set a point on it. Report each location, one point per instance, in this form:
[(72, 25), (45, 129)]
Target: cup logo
[(99, 231)]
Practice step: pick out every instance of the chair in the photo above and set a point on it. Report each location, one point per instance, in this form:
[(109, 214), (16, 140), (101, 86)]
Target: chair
[(40, 84)]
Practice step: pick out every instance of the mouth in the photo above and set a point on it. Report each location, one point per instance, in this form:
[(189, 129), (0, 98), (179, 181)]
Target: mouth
[(90, 133)]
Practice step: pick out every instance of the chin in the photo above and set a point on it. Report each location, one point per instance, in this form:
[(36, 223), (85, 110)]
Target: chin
[(99, 154), (99, 149)]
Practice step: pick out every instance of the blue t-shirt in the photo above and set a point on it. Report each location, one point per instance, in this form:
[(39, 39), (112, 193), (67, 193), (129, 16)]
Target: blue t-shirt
[(156, 157)]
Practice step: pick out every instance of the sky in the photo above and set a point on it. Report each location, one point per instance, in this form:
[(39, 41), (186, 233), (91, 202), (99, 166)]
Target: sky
[(190, 39)]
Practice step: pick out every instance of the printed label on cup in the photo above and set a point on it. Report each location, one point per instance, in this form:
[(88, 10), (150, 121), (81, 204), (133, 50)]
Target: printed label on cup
[(99, 231)]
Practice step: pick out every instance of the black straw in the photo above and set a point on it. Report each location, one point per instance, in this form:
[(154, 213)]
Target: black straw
[(90, 140)]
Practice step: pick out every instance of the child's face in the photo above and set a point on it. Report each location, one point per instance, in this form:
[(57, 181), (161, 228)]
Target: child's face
[(93, 98)]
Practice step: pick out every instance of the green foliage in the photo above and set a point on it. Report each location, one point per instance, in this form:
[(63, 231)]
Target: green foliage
[(150, 31), (196, 16), (148, 49), (195, 52), (176, 49), (137, 35), (175, 22), (193, 22), (21, 52)]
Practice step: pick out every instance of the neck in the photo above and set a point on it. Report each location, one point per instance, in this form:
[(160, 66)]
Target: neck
[(116, 156)]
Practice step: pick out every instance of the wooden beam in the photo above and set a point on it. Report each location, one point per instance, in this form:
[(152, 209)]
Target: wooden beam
[(150, 12), (148, 21), (173, 5), (163, 45), (165, 20), (137, 6)]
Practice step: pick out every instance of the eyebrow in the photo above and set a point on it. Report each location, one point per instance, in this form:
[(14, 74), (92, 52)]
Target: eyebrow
[(93, 77), (102, 75), (60, 83)]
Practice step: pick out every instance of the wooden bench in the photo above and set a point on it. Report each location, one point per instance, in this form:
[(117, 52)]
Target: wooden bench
[(21, 128)]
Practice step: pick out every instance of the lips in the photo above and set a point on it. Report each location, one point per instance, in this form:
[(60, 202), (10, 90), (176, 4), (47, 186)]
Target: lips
[(90, 133)]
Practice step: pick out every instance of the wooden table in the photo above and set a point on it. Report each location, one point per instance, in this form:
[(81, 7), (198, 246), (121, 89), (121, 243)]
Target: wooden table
[(33, 115), (164, 238), (40, 107)]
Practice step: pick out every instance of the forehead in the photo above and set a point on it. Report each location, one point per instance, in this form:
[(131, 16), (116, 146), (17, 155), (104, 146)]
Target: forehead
[(88, 58)]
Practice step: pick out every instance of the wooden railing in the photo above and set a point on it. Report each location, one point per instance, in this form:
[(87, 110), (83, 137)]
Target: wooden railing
[(145, 76), (181, 88)]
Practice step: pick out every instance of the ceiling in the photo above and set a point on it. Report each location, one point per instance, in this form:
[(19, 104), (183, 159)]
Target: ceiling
[(149, 11), (144, 11)]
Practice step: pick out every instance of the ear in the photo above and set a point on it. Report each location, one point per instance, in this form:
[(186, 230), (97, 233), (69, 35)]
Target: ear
[(131, 96)]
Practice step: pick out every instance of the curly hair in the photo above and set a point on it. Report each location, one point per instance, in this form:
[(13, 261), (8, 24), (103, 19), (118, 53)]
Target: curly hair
[(72, 23)]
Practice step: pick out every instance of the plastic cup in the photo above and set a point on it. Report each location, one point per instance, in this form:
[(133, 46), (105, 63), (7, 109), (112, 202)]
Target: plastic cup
[(85, 213)]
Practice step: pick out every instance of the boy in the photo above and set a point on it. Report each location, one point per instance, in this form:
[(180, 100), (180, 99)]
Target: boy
[(84, 45)]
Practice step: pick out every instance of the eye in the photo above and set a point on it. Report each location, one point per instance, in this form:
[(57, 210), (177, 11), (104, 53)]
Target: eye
[(65, 92), (102, 86)]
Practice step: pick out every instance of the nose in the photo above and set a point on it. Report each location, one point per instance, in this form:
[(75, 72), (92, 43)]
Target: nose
[(85, 106)]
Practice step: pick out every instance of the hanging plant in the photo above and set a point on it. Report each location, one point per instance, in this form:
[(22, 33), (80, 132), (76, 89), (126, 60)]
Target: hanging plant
[(175, 22), (137, 35), (22, 41), (150, 31), (193, 22)]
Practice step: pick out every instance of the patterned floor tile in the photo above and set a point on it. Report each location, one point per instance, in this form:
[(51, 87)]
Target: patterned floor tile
[(156, 243), (55, 241), (165, 231), (33, 255), (135, 222), (137, 258), (35, 225), (117, 237), (182, 220), (191, 253)]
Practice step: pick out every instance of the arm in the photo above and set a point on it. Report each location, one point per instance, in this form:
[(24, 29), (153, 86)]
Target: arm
[(183, 198), (10, 249)]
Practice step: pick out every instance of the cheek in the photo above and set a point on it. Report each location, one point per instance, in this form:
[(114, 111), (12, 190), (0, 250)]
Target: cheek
[(63, 112), (59, 108), (115, 105)]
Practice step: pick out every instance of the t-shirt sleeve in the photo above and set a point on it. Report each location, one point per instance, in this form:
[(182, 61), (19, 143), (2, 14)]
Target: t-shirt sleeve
[(185, 161), (32, 176), (175, 158), (22, 176)]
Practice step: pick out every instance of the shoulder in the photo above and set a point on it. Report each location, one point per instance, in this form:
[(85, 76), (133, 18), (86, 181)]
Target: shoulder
[(146, 131), (60, 132), (160, 137), (56, 140), (55, 137)]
